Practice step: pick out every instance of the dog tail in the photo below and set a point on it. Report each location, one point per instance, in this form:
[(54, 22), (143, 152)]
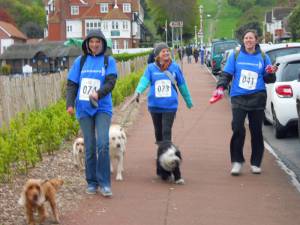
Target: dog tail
[(56, 183)]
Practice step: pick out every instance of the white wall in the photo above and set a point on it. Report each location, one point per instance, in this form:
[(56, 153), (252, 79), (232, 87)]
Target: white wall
[(76, 29), (5, 43)]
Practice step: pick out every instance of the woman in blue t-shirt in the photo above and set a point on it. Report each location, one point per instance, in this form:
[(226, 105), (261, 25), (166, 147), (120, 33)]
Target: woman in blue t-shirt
[(163, 76), (248, 69), (89, 86)]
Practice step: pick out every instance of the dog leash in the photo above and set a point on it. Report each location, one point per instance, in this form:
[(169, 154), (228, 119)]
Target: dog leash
[(125, 119)]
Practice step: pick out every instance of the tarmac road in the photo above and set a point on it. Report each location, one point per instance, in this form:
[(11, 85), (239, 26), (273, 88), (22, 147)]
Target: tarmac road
[(211, 196)]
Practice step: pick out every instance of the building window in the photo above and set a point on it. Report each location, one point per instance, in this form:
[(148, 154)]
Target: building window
[(125, 44), (74, 10), (115, 44), (69, 28), (104, 7), (125, 25), (114, 25), (92, 25), (126, 7), (104, 25)]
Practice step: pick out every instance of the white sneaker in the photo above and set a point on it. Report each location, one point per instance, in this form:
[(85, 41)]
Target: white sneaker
[(236, 168), (255, 169)]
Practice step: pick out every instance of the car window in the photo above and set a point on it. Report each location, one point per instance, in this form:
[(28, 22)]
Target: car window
[(290, 71), (273, 54), (220, 48)]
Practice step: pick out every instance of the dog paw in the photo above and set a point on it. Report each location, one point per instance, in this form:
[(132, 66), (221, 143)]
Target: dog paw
[(180, 181), (119, 177)]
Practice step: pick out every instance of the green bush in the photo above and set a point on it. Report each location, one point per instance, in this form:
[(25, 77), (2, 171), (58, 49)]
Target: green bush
[(125, 86), (28, 136), (5, 69)]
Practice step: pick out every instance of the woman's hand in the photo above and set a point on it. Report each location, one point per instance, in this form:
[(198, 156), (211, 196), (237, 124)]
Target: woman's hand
[(272, 68), (217, 95), (70, 110)]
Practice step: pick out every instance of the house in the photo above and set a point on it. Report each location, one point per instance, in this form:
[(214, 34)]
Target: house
[(10, 35), (43, 57), (119, 20), (276, 23)]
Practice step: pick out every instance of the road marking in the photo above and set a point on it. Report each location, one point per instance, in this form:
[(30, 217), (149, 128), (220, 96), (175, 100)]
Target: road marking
[(292, 175)]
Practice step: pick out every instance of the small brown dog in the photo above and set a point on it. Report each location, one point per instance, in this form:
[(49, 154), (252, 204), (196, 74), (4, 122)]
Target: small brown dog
[(35, 193)]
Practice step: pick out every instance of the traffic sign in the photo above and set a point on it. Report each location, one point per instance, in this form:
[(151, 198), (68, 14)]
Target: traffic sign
[(174, 24)]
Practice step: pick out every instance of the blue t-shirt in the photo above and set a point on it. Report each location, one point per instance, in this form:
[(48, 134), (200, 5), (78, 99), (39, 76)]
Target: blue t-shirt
[(91, 78), (248, 71), (163, 96)]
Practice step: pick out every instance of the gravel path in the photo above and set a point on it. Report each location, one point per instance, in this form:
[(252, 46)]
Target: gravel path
[(58, 165)]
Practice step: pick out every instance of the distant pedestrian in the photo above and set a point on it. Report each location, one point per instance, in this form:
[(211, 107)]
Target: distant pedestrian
[(202, 50), (189, 53), (164, 77), (248, 70), (196, 54)]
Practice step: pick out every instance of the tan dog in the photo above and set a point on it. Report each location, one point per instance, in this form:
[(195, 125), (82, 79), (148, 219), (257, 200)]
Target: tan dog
[(78, 153), (117, 146), (35, 193)]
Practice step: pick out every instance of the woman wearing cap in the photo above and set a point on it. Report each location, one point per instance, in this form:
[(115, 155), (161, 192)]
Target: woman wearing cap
[(93, 83), (163, 76)]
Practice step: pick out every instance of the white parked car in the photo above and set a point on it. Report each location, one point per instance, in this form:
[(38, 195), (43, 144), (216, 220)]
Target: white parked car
[(281, 109)]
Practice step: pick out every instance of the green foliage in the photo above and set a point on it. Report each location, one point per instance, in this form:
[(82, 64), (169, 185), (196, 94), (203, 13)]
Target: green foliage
[(294, 24), (28, 136), (5, 69), (125, 86), (126, 56), (25, 11)]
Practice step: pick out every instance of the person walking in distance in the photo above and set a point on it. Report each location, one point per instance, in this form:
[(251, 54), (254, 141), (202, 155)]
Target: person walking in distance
[(248, 70), (90, 82)]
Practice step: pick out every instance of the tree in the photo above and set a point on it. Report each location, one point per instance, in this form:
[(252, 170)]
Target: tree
[(32, 30), (293, 23), (252, 25), (174, 10), (4, 16)]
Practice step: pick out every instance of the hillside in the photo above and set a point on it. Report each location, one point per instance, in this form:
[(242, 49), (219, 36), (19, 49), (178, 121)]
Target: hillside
[(222, 19)]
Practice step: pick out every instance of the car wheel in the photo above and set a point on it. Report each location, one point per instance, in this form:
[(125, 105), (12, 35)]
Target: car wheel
[(278, 129)]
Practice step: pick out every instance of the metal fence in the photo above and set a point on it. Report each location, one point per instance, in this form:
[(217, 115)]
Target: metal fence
[(27, 93)]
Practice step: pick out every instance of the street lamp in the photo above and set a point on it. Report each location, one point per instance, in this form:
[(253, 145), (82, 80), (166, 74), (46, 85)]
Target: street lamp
[(201, 25), (196, 41)]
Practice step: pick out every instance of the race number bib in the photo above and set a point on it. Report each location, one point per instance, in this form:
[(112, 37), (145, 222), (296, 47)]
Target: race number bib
[(88, 85), (163, 88), (248, 79)]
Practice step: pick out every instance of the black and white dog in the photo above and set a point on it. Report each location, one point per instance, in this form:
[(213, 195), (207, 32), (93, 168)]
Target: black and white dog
[(168, 162)]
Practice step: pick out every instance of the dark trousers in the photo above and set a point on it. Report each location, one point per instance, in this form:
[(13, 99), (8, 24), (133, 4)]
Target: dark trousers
[(255, 118), (163, 123)]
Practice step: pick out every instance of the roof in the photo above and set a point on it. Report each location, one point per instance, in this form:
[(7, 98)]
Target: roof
[(269, 47), (281, 12), (268, 17), (53, 49), (11, 30), (288, 58), (116, 14)]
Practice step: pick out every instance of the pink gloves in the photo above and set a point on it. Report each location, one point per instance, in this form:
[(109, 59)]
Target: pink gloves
[(217, 95), (271, 69)]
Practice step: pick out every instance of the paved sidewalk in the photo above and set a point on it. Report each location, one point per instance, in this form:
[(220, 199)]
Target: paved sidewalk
[(211, 196)]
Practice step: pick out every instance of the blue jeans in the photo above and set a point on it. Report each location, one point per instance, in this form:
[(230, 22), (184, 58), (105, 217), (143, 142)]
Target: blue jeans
[(96, 139)]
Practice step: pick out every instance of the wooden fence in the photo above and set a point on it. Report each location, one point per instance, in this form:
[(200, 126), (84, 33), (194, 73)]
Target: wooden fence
[(27, 93)]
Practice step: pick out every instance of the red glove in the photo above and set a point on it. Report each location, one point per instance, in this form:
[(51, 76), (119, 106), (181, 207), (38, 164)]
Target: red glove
[(271, 69), (217, 95)]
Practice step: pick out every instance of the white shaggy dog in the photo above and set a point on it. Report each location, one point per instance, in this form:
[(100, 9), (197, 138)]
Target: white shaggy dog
[(168, 162), (78, 153), (117, 147)]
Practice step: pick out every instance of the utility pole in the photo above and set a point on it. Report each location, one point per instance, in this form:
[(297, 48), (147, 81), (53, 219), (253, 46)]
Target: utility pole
[(201, 33), (166, 29), (196, 41)]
